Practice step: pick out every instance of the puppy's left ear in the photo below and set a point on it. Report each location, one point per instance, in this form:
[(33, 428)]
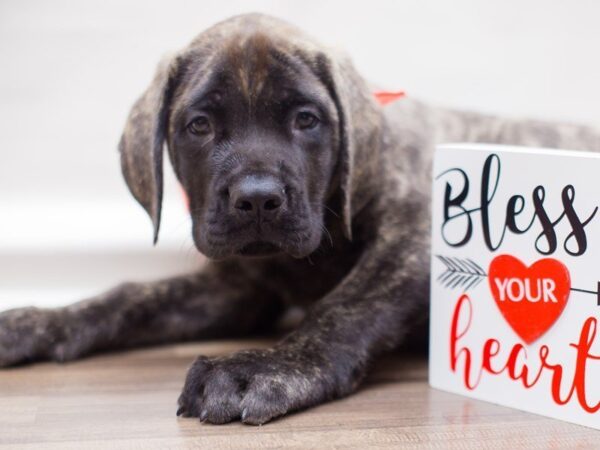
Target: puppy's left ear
[(359, 120), (143, 138)]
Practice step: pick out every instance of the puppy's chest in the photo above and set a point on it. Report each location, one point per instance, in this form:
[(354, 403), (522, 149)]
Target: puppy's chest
[(306, 281)]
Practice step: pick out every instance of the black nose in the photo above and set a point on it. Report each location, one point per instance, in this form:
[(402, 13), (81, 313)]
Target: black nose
[(257, 195)]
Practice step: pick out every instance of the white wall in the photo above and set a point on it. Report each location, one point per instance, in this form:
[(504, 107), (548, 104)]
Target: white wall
[(69, 71)]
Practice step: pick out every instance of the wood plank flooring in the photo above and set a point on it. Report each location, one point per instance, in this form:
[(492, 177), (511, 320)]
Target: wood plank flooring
[(127, 400)]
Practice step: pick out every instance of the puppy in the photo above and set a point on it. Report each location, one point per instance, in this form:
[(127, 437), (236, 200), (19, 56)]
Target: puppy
[(303, 191)]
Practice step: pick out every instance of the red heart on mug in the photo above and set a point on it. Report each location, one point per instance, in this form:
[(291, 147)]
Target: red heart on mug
[(530, 298)]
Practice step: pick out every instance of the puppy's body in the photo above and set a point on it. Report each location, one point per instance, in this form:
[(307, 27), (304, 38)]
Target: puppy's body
[(358, 181)]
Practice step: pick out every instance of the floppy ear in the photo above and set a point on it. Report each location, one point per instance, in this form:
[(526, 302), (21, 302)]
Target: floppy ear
[(359, 120), (143, 138)]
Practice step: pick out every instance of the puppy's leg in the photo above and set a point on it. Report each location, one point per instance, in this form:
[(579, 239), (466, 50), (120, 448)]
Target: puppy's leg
[(457, 126), (329, 354), (203, 305)]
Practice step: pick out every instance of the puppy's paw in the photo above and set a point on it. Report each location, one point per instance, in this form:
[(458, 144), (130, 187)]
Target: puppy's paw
[(26, 334), (253, 386)]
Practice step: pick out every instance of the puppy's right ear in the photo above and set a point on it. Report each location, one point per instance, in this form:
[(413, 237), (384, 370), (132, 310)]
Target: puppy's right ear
[(143, 138)]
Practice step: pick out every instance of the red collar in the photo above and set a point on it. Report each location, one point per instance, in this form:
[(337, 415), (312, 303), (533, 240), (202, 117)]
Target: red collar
[(385, 97)]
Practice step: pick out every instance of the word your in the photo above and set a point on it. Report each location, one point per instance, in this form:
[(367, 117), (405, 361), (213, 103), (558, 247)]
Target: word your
[(517, 290)]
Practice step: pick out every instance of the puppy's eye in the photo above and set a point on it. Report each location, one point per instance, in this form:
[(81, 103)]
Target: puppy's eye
[(305, 120), (200, 126)]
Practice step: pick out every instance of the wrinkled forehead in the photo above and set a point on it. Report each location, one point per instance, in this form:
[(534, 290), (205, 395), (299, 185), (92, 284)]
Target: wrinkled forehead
[(254, 69)]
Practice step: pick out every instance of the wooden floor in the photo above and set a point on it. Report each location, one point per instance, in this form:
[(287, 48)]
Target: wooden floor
[(127, 400)]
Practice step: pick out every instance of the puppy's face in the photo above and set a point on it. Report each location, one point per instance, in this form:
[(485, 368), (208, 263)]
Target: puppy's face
[(253, 139), (264, 127)]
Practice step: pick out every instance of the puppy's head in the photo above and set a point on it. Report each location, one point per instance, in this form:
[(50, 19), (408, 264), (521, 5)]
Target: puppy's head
[(261, 125)]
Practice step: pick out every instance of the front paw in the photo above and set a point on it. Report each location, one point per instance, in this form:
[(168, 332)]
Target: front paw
[(253, 386), (26, 334)]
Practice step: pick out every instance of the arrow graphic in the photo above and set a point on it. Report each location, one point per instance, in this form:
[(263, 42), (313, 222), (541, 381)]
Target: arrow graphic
[(466, 273)]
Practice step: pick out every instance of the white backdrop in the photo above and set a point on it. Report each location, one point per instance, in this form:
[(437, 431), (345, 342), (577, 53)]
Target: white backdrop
[(69, 71)]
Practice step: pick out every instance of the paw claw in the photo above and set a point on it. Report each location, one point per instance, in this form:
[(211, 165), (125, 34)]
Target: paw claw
[(203, 415)]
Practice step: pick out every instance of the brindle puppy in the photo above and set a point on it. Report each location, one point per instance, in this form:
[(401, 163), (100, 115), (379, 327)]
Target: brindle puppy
[(284, 154)]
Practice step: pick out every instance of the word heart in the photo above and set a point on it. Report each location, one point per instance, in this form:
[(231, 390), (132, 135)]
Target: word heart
[(521, 365)]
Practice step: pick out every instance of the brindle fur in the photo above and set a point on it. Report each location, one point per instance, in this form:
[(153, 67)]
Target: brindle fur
[(364, 288)]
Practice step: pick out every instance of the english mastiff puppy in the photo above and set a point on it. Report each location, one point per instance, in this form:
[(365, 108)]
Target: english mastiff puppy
[(303, 190)]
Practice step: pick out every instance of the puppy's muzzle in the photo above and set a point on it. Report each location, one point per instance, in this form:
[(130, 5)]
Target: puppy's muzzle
[(257, 196)]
